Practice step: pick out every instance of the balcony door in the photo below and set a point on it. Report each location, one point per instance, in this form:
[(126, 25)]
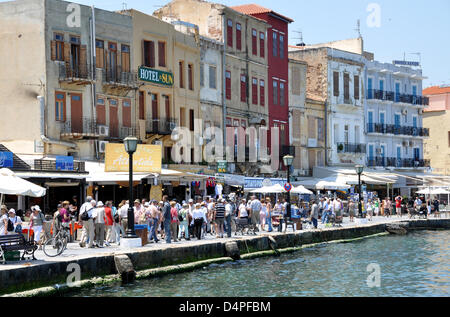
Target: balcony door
[(369, 88), (397, 120), (399, 156), (371, 152), (416, 154), (383, 154), (370, 121), (112, 61), (397, 92), (76, 106), (155, 116), (113, 119)]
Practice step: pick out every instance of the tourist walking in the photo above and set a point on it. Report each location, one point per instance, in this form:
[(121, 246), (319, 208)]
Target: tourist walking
[(369, 208), (3, 221), (278, 212), (16, 222), (174, 221), (255, 209), (86, 216), (352, 210), (269, 214), (314, 217), (109, 223), (398, 206), (183, 216), (36, 223), (99, 222), (263, 216), (199, 218), (219, 217), (388, 207), (228, 217), (166, 210)]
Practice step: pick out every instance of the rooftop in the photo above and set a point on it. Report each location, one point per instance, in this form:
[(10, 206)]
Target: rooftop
[(437, 90), (252, 8)]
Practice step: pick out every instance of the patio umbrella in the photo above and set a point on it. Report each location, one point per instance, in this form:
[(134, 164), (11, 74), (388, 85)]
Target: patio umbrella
[(275, 189), (10, 184), (301, 190)]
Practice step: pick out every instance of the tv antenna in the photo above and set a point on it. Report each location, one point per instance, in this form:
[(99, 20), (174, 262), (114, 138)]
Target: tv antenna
[(358, 27), (300, 37), (124, 6)]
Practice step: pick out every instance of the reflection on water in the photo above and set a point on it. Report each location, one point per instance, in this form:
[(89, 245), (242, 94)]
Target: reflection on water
[(412, 265)]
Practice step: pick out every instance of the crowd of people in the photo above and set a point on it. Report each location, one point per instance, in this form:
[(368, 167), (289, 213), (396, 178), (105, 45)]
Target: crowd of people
[(171, 220)]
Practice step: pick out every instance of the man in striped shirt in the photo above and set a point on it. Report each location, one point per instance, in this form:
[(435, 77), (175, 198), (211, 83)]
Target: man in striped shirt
[(219, 217)]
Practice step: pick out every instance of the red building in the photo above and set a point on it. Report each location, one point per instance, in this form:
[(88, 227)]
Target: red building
[(278, 72)]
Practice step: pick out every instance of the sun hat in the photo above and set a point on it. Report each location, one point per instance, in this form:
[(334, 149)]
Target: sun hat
[(146, 204), (37, 208), (12, 211), (100, 204)]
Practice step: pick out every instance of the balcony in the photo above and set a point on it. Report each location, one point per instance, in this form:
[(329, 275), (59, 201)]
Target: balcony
[(397, 130), (48, 165), (287, 150), (395, 162), (79, 128), (351, 148), (392, 96), (128, 131), (115, 77), (80, 74), (161, 126)]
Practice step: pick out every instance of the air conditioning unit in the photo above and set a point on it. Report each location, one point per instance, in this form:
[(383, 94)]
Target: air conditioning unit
[(103, 130), (404, 112), (102, 146)]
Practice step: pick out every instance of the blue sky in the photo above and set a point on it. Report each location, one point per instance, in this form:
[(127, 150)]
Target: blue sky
[(407, 26)]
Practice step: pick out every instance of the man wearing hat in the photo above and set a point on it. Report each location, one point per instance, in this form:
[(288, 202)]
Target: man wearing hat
[(16, 221), (88, 225), (184, 224), (99, 223)]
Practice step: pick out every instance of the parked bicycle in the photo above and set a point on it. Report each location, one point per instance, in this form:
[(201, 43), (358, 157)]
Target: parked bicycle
[(56, 245)]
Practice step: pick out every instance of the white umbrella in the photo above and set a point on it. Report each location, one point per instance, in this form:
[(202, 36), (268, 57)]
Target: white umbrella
[(275, 189), (425, 191), (331, 183), (440, 191), (301, 190), (10, 184)]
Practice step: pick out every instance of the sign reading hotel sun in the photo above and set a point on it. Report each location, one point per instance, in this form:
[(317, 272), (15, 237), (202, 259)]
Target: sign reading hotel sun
[(146, 159), (155, 76)]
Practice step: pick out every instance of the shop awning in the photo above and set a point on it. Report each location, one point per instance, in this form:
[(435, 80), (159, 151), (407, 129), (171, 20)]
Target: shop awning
[(115, 177), (11, 184)]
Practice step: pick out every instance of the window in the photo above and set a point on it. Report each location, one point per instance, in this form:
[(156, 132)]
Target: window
[(281, 46), (182, 117), (149, 54), (336, 84), (228, 122), (125, 58), (191, 120), (191, 76), (254, 91), (181, 72), (356, 87), (320, 134), (60, 106), (254, 42), (162, 54), (275, 92), (100, 54), (243, 88), (346, 88), (167, 104), (228, 84), (202, 75), (230, 33), (238, 36), (126, 113), (275, 44), (262, 44), (101, 111), (282, 94), (262, 97), (212, 77), (57, 47), (141, 106), (296, 81)]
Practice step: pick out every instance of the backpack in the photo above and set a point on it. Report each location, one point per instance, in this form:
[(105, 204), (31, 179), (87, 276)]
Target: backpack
[(85, 215), (10, 227), (116, 215)]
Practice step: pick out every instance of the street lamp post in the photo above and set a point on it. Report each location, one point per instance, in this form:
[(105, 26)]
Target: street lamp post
[(130, 146), (288, 160), (359, 171)]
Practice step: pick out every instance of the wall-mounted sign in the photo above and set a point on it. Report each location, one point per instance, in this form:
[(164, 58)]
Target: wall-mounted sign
[(406, 63), (6, 159), (155, 76), (222, 166), (147, 158), (64, 163)]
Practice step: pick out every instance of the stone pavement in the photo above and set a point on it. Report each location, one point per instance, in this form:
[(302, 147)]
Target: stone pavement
[(75, 252)]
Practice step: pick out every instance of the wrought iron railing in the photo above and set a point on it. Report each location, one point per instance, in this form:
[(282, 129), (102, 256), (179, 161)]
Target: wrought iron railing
[(392, 96), (161, 126)]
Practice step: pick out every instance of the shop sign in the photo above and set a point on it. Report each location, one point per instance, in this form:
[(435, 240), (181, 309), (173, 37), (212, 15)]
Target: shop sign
[(64, 163), (155, 76), (222, 166), (146, 159), (6, 159)]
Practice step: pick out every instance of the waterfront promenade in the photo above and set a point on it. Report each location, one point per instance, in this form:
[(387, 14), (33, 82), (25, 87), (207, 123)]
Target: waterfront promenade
[(46, 271)]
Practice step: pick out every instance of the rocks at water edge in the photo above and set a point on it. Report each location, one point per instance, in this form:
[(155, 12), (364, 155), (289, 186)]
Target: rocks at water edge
[(397, 228), (232, 250), (125, 268)]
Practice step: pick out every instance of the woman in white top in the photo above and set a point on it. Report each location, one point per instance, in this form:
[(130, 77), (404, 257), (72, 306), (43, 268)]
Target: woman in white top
[(243, 210), (369, 208), (3, 220), (36, 223), (263, 215)]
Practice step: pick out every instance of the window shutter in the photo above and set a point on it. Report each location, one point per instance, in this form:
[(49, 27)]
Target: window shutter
[(336, 84), (53, 49), (143, 52), (356, 90), (346, 87), (67, 52), (83, 56)]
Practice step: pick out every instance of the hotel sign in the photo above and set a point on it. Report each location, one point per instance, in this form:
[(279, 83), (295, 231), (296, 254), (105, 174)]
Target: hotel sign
[(406, 63), (155, 76)]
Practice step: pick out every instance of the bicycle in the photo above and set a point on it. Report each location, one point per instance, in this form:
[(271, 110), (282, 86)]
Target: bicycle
[(58, 244)]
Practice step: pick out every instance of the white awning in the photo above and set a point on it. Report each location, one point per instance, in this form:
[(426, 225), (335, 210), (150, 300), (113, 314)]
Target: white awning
[(11, 184)]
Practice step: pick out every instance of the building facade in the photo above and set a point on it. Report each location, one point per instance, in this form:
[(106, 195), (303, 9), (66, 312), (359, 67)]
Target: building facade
[(245, 74), (336, 78), (436, 118), (278, 71), (393, 112)]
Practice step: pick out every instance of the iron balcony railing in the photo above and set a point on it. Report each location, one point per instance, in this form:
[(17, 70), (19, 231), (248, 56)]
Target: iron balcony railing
[(48, 165), (161, 126), (380, 161), (392, 96), (70, 72), (83, 126), (128, 131), (351, 148), (115, 75), (397, 130)]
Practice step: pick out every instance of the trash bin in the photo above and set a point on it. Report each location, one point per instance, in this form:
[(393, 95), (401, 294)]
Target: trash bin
[(142, 232)]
